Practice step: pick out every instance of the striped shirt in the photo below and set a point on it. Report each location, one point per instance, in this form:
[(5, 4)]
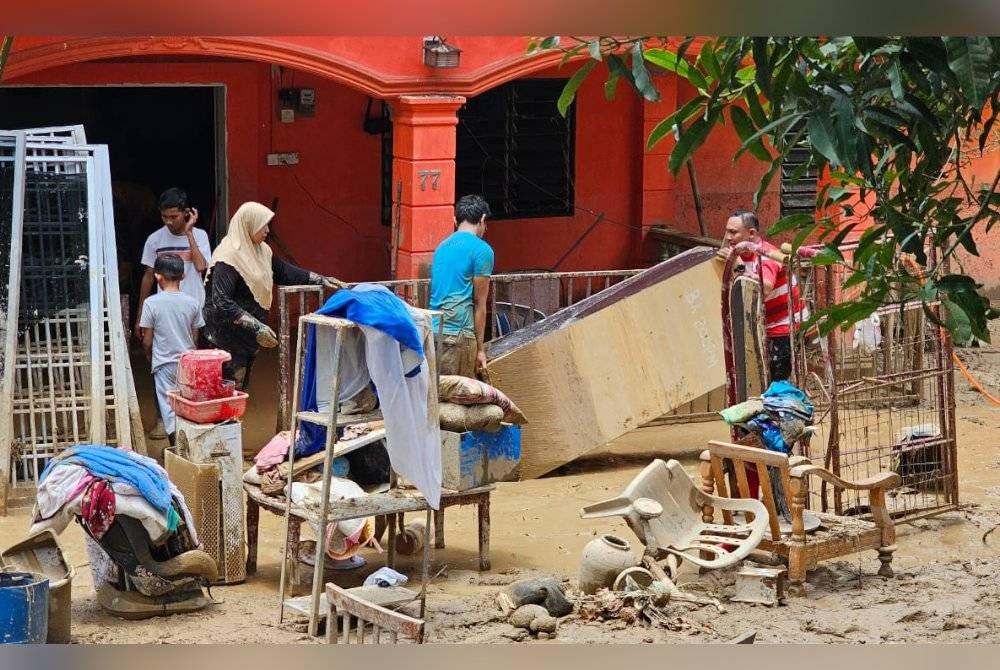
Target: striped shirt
[(164, 242), (776, 313)]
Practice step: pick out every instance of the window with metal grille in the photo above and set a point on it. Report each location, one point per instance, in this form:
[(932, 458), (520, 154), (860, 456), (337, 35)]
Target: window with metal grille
[(798, 179), (515, 149)]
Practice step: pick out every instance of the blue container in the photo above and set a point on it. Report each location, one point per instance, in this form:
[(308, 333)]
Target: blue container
[(24, 608)]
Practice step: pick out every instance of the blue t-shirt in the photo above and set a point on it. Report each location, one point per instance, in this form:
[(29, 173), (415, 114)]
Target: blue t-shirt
[(457, 260)]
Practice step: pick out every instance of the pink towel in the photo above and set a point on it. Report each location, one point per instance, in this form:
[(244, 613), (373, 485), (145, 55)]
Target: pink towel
[(274, 452)]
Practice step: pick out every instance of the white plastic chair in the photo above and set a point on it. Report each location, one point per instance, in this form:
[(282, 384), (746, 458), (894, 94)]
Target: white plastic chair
[(663, 507)]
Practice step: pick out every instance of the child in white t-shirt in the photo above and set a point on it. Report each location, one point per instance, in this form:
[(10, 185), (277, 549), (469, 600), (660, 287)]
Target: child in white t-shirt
[(170, 320)]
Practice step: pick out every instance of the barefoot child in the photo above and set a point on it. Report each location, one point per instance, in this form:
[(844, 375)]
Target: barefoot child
[(171, 320)]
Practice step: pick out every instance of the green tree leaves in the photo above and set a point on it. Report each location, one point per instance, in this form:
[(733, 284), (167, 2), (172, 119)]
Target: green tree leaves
[(883, 117)]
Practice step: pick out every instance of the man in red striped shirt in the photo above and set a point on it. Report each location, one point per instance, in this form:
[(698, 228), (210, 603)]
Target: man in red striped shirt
[(742, 226)]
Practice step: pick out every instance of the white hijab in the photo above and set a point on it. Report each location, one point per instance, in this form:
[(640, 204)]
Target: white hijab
[(252, 261)]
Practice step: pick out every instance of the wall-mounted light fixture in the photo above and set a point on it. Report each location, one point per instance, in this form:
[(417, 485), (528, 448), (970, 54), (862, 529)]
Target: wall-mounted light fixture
[(439, 54)]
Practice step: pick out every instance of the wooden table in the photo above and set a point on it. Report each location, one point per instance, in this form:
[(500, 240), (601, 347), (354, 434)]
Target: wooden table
[(391, 504)]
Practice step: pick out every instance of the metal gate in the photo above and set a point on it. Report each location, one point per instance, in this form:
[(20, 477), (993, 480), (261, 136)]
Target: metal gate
[(884, 398)]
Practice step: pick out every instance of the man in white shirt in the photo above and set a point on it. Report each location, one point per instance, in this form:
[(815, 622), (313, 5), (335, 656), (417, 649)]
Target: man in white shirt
[(177, 236)]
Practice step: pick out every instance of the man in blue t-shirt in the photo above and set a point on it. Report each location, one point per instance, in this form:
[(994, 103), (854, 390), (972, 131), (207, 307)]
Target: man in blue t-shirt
[(460, 283)]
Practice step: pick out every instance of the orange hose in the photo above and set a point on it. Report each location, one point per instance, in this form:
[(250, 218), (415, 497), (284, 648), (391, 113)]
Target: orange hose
[(958, 361), (972, 380)]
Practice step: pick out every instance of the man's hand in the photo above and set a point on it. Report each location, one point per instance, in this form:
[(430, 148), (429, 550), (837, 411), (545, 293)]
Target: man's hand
[(138, 331), (190, 220), (480, 360), (724, 253)]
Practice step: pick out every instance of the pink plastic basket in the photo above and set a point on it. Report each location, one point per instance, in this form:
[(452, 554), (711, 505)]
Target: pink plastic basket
[(209, 411)]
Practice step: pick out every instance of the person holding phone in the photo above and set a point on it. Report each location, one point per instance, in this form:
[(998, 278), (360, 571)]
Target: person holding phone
[(178, 236)]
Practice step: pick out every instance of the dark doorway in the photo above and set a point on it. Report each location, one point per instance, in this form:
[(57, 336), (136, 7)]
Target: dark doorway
[(157, 137)]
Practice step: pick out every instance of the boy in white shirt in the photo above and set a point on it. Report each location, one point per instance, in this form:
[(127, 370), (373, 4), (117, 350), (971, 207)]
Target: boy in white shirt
[(170, 320)]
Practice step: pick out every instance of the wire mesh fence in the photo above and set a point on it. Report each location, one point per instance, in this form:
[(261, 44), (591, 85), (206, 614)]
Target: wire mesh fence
[(884, 396)]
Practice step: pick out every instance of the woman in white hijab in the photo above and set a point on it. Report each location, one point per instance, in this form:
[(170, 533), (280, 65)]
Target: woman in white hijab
[(238, 290)]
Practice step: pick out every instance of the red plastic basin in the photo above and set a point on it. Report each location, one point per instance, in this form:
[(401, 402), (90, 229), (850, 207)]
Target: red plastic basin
[(199, 374), (209, 411)]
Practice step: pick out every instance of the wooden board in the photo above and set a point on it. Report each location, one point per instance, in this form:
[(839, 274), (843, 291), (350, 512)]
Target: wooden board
[(748, 338), (625, 356)]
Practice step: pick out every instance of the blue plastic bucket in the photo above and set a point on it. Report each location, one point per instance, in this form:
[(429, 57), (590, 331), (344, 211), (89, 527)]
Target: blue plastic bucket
[(24, 608)]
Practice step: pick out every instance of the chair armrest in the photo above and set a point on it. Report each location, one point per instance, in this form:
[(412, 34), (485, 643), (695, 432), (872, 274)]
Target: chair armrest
[(883, 480), (730, 504), (794, 461)]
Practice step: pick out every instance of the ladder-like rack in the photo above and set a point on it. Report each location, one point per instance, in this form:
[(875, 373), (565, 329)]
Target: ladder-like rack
[(312, 605)]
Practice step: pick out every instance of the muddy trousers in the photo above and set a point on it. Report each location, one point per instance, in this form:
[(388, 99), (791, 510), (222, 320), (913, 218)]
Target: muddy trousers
[(238, 370), (779, 358)]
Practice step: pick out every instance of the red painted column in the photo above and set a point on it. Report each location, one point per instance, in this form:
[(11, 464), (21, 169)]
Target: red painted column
[(423, 161), (658, 185)]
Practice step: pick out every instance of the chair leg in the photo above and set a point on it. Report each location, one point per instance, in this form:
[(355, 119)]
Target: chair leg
[(294, 539), (253, 524), (796, 570), (484, 534), (885, 556), (439, 528)]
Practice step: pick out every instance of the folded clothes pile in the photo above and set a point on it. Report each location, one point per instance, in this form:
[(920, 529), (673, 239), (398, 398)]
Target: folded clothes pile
[(779, 417), (97, 482)]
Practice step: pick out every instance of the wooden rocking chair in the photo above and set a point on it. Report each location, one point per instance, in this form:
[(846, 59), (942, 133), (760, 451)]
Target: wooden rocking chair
[(375, 624), (664, 508), (835, 535)]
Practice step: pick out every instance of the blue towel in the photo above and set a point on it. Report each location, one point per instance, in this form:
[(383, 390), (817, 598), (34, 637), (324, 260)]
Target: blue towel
[(770, 434), (783, 391), (378, 307), (122, 466), (366, 304)]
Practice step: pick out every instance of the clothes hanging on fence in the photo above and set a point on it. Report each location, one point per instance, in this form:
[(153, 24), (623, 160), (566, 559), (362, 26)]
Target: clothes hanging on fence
[(387, 350), (867, 334), (783, 397), (779, 417)]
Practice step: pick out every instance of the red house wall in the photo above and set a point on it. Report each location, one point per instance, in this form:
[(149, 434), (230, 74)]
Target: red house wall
[(329, 213), (329, 204), (985, 268), (723, 184), (608, 141), (339, 164)]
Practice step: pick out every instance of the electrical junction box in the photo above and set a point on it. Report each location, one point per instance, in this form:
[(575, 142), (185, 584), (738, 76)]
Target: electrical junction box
[(307, 101), (301, 101)]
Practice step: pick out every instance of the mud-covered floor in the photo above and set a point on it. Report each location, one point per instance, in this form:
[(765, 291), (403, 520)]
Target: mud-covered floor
[(945, 587)]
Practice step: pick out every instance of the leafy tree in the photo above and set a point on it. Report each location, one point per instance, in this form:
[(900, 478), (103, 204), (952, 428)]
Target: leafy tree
[(891, 120)]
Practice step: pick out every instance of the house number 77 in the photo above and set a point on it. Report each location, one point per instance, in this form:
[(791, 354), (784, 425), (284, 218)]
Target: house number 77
[(434, 175)]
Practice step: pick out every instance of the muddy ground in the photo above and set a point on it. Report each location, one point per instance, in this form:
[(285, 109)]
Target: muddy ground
[(945, 587)]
